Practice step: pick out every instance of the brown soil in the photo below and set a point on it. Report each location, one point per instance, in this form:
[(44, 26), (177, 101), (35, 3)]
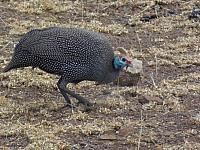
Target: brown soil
[(161, 112)]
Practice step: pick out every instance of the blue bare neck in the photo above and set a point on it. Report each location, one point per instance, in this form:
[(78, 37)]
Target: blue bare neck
[(119, 63)]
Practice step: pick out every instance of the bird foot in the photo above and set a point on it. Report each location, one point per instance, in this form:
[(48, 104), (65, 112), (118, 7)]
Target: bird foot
[(87, 105), (68, 106)]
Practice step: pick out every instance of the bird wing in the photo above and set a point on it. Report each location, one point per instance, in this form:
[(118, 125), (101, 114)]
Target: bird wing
[(57, 45)]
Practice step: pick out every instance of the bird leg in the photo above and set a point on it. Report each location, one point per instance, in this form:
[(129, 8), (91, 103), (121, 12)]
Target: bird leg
[(62, 87), (64, 91)]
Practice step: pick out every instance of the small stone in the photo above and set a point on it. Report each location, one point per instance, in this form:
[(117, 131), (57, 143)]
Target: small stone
[(149, 17), (108, 137), (125, 131), (142, 100), (147, 99)]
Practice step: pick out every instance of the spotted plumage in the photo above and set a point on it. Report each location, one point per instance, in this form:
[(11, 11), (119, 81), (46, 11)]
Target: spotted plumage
[(71, 53)]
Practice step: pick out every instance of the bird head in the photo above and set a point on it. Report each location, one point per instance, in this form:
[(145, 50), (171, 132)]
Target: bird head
[(121, 60)]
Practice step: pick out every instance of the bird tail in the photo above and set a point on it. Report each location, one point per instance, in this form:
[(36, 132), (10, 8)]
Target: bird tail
[(19, 59), (8, 68), (13, 64)]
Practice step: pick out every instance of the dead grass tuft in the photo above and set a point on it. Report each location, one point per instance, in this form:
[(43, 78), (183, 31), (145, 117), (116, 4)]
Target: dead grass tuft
[(30, 104)]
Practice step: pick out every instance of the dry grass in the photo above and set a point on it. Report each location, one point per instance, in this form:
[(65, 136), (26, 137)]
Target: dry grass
[(31, 113)]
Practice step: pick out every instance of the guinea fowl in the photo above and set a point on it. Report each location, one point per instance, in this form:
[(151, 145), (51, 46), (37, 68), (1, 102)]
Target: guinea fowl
[(71, 53)]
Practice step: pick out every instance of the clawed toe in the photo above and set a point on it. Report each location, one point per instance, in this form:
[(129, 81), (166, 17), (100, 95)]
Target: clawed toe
[(68, 106), (87, 106)]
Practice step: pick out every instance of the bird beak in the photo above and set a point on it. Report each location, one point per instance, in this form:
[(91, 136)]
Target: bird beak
[(134, 66), (129, 63)]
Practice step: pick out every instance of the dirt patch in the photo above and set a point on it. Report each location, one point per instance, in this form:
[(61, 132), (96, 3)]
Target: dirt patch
[(14, 141)]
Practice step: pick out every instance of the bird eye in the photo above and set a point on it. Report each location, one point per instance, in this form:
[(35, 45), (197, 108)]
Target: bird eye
[(123, 59)]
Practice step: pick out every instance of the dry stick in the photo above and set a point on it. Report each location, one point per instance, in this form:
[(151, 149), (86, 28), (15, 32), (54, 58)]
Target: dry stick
[(137, 86), (5, 46), (118, 85), (74, 19), (98, 8), (154, 84), (156, 12), (156, 65), (82, 9), (139, 41), (4, 21), (144, 10), (141, 129)]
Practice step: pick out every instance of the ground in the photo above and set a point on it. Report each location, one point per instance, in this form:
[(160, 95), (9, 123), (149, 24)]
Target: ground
[(160, 112)]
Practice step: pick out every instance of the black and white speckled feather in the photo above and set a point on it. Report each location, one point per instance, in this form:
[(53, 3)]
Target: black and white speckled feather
[(74, 54), (77, 54)]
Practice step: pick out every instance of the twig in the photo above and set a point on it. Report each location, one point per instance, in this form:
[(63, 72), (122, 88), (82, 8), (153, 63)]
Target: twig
[(82, 9), (154, 84), (106, 7), (156, 65), (118, 85), (141, 129), (139, 41), (144, 9), (5, 46), (156, 12), (98, 10), (4, 21)]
